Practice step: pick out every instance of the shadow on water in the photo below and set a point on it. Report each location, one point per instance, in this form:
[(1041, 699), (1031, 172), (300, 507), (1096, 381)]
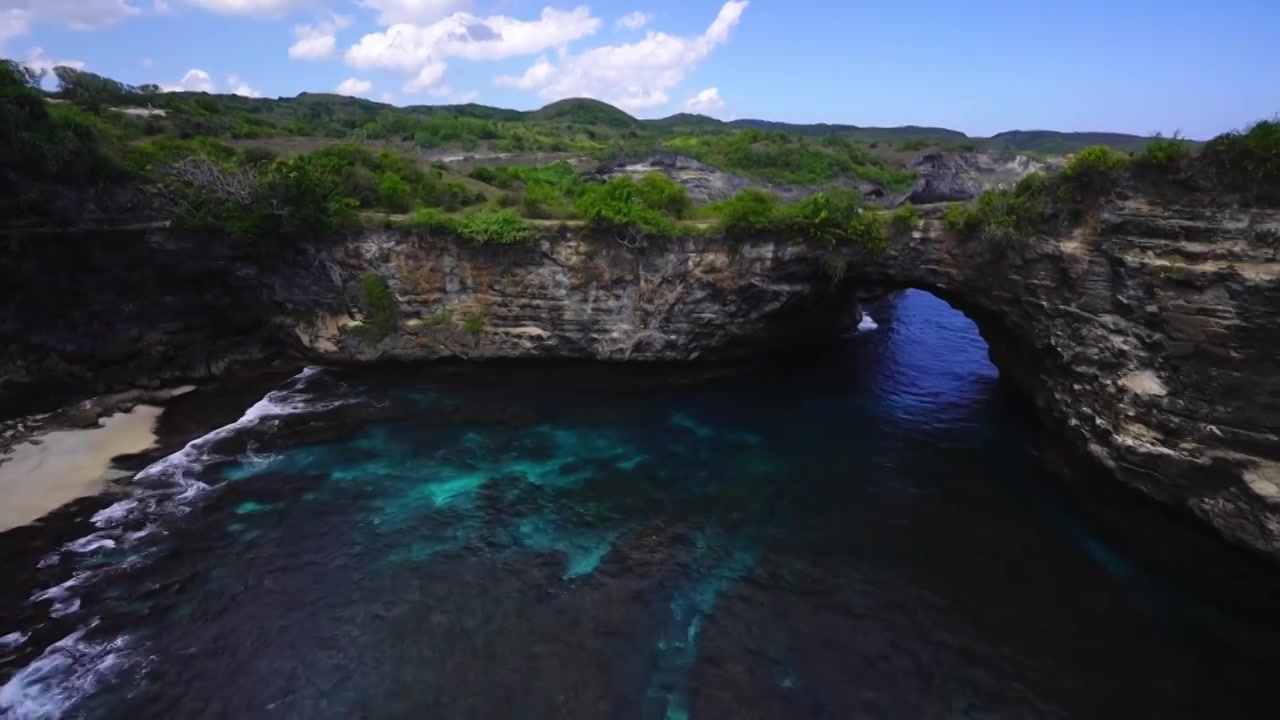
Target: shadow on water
[(873, 534)]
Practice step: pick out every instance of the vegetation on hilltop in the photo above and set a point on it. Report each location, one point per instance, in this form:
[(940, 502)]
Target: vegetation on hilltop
[(1245, 163), (212, 163)]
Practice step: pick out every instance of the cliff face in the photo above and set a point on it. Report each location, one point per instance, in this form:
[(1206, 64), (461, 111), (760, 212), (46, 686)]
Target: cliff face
[(693, 298), (1151, 337)]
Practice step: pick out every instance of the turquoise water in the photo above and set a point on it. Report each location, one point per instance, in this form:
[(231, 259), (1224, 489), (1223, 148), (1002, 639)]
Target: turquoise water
[(871, 534)]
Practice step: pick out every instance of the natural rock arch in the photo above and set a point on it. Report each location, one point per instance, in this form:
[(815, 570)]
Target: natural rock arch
[(1151, 340)]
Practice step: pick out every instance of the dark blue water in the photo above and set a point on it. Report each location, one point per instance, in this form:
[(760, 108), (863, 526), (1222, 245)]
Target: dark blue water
[(872, 534)]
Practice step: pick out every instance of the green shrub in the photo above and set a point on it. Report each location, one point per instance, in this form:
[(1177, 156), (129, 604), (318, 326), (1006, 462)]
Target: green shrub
[(835, 216), (381, 310), (1165, 154), (1248, 161), (1090, 174), (432, 220), (1005, 214), (502, 227), (752, 212), (474, 323), (394, 193), (617, 206), (905, 218), (661, 193)]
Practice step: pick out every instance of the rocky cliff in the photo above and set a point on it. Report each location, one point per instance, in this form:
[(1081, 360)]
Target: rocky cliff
[(1150, 337)]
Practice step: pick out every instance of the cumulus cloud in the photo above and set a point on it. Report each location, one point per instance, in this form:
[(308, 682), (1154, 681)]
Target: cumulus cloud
[(318, 41), (13, 22), (704, 102), (195, 80), (420, 51), (240, 87), (37, 60), (78, 14), (413, 11), (260, 8), (353, 87), (635, 20), (633, 76)]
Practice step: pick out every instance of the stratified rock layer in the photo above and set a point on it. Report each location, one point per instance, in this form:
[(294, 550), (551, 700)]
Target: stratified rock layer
[(1150, 337)]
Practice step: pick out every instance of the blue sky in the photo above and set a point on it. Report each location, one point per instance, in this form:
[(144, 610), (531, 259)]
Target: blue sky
[(980, 66)]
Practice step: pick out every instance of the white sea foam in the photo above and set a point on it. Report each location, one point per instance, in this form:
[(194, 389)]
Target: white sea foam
[(867, 323), (74, 667), (70, 669)]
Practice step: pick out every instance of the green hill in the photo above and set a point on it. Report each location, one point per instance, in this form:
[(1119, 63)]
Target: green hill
[(584, 111)]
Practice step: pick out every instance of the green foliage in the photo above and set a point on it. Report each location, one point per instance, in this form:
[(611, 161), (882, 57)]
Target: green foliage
[(1005, 215), (1248, 161), (1165, 154), (474, 323), (393, 192), (905, 218), (914, 145), (833, 268), (781, 158), (55, 142), (585, 111), (501, 227), (664, 195), (619, 206), (750, 213), (1090, 174), (834, 217), (381, 309), (432, 220)]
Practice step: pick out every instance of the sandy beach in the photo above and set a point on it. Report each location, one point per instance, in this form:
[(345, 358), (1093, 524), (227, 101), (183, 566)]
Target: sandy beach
[(62, 465)]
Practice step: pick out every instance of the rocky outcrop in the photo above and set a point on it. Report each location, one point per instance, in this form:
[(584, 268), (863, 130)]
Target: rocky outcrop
[(1150, 337), (946, 176), (569, 296), (708, 184)]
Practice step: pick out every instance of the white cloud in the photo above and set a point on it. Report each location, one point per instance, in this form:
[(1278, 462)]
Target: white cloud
[(37, 60), (161, 7), (240, 87), (413, 11), (388, 98), (13, 22), (353, 87), (635, 20), (195, 80), (420, 51), (78, 14), (633, 76), (318, 41), (705, 102), (260, 8)]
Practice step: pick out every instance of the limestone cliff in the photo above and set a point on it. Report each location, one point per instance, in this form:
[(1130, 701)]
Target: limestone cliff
[(1150, 337), (694, 298)]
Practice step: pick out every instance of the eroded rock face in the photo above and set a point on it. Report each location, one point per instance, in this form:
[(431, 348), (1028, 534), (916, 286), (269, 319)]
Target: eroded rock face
[(1151, 337), (946, 176), (571, 297)]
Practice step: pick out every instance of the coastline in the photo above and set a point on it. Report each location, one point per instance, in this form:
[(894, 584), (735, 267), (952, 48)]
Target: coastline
[(52, 468)]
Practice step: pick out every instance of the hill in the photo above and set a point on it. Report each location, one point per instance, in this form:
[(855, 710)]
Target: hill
[(584, 111)]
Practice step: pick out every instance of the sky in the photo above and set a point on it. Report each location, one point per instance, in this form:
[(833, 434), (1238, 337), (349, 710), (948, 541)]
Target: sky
[(979, 66)]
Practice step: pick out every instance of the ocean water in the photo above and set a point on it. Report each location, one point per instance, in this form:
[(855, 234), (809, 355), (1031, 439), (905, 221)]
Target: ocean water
[(876, 533)]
